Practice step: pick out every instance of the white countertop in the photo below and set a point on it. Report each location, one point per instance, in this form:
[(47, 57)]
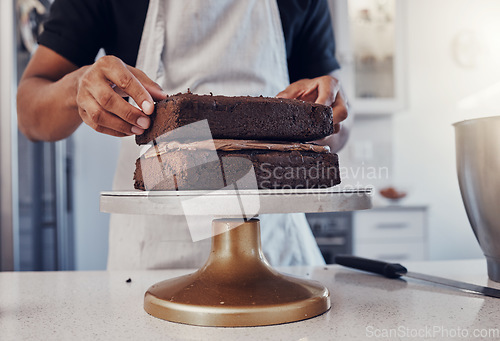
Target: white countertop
[(102, 306)]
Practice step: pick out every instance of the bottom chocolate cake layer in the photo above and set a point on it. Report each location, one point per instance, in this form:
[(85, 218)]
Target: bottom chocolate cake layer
[(243, 169)]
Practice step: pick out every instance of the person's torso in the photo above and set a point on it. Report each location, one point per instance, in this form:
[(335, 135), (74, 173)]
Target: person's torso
[(125, 22), (238, 50)]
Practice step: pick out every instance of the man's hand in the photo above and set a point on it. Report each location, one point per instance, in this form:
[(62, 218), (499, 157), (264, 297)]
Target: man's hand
[(100, 101), (55, 96), (324, 90)]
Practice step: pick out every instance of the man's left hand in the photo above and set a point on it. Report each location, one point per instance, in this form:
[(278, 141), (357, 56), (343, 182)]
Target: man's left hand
[(322, 90)]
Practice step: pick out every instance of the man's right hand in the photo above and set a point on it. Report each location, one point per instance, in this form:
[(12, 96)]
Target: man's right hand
[(100, 101), (55, 96)]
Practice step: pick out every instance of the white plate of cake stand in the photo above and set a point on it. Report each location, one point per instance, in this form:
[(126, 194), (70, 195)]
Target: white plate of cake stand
[(236, 286)]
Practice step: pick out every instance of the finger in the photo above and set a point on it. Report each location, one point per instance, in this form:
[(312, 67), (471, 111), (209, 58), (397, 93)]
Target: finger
[(336, 128), (118, 91), (327, 91), (102, 120), (325, 96), (118, 73), (294, 90), (310, 94), (285, 94), (153, 88), (86, 119), (112, 102), (111, 132), (339, 109)]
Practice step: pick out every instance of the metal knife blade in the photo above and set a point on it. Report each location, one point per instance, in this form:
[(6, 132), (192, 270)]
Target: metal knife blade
[(394, 270), (467, 287)]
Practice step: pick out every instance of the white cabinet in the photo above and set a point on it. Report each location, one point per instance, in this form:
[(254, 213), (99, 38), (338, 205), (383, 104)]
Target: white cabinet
[(393, 233), (370, 37)]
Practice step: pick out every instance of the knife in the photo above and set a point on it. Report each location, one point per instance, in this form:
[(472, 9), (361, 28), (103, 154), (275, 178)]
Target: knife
[(395, 270)]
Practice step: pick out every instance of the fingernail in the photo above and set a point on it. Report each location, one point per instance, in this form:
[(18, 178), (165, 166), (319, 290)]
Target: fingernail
[(143, 122), (147, 107), (136, 130)]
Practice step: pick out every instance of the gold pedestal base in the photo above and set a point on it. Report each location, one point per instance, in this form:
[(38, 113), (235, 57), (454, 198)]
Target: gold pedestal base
[(236, 287)]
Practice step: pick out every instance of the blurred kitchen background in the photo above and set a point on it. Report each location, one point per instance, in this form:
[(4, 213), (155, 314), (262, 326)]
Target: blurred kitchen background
[(411, 68)]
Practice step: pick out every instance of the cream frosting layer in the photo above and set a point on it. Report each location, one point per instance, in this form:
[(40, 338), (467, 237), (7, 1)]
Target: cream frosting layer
[(234, 145)]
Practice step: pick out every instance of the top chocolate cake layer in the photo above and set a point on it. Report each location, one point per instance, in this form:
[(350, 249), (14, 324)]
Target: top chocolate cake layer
[(256, 118)]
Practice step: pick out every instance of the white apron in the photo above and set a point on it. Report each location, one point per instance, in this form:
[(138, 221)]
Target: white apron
[(227, 47)]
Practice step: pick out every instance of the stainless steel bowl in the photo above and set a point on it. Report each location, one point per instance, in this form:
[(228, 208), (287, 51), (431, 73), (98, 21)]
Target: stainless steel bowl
[(478, 168)]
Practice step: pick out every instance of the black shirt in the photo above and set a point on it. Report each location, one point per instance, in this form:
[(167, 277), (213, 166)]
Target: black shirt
[(77, 29)]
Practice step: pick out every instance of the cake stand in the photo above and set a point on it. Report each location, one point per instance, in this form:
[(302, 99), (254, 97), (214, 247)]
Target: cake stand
[(236, 286)]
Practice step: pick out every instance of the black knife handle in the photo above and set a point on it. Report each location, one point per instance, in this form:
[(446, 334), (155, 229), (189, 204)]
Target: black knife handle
[(390, 270)]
